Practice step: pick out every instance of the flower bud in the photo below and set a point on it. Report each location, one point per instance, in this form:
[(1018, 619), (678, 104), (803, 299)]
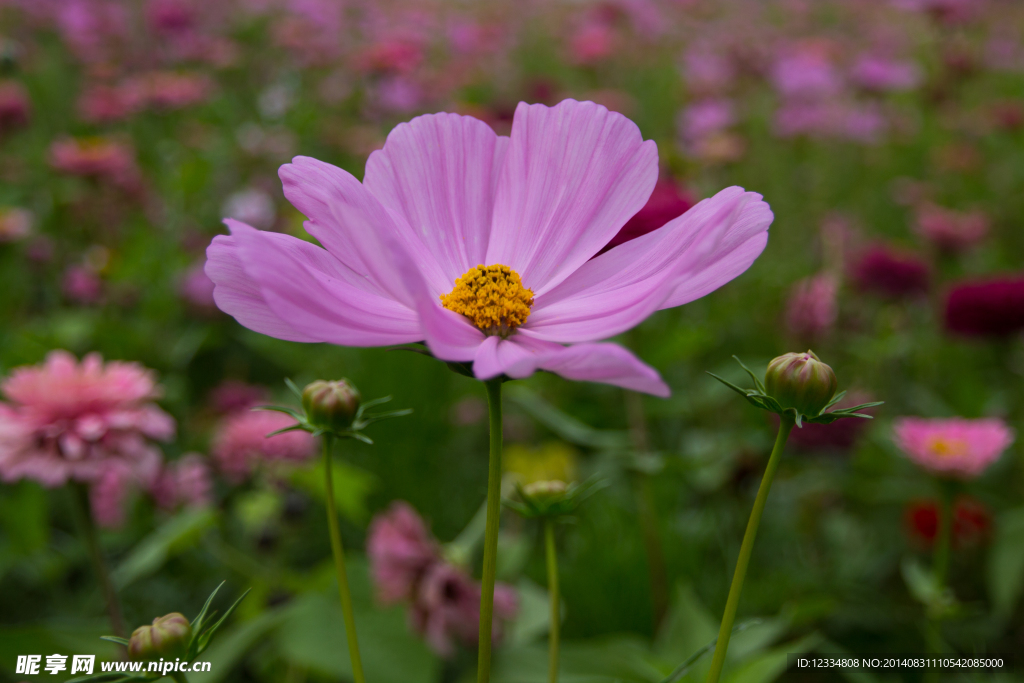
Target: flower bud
[(331, 405), (168, 636), (545, 492), (801, 381)]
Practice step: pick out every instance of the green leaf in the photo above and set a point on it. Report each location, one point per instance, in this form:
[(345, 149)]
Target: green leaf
[(115, 639), (684, 668), (564, 425), (174, 536), (197, 623), (233, 644), (204, 639), (767, 667)]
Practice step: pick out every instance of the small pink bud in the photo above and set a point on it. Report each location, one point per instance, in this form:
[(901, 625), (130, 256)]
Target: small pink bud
[(167, 637), (801, 381), (331, 405)]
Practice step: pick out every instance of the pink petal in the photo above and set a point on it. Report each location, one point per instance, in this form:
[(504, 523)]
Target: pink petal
[(239, 296), (574, 174), (516, 357), (607, 364), (440, 172), (707, 246), (353, 226), (308, 290)]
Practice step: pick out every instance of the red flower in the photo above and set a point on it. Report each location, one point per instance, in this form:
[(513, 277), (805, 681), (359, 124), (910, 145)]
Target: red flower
[(993, 308), (972, 522)]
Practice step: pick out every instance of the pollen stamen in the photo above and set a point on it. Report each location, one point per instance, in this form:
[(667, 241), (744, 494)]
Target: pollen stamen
[(492, 297)]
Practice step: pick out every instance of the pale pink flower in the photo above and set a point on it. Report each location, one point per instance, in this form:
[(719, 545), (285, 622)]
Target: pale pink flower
[(954, 447), (949, 230), (166, 90), (81, 285), (592, 41), (100, 103), (241, 443), (95, 157), (705, 118), (196, 288), (69, 420), (253, 206), (107, 497), (15, 224), (185, 482), (405, 248), (707, 70), (875, 72), (806, 71), (231, 396), (812, 307), (400, 550)]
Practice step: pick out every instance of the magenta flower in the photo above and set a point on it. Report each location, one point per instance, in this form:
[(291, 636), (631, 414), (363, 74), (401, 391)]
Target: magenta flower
[(446, 609), (666, 202), (400, 550), (70, 420), (891, 272), (241, 443), (986, 308), (15, 105), (483, 247), (954, 447)]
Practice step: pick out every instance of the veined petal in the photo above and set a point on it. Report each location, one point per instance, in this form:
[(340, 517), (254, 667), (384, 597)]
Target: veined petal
[(352, 225), (696, 253), (239, 295), (607, 364), (573, 175), (304, 287), (440, 172), (516, 356)]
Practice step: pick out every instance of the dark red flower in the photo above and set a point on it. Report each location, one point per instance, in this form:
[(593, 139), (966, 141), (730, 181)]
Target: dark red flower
[(990, 308), (890, 272), (667, 201), (972, 522)]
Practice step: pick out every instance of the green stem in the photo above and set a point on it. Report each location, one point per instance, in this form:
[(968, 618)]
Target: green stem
[(785, 427), (556, 611), (339, 563), (483, 674), (87, 527), (944, 537)]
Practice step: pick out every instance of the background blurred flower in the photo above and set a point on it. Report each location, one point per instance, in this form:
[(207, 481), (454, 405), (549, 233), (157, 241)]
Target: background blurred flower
[(196, 288), (15, 224), (890, 272), (233, 396), (972, 522), (184, 482), (949, 230), (81, 285), (241, 444), (400, 550), (15, 106), (69, 420), (812, 308), (875, 72), (252, 206), (991, 308), (955, 447), (95, 157), (667, 201)]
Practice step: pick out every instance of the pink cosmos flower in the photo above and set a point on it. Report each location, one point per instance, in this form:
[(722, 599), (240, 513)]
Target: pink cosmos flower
[(812, 307), (81, 285), (70, 420), (806, 71), (874, 72), (954, 447), (196, 288), (241, 443), (400, 550), (484, 247), (95, 157)]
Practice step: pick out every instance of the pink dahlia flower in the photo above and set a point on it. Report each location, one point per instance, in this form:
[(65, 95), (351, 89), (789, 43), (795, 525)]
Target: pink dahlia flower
[(400, 550), (184, 482), (953, 447), (241, 442), (483, 247), (446, 608), (70, 420)]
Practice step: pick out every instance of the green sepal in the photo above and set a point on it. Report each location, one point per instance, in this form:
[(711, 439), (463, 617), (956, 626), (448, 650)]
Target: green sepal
[(116, 639), (565, 505)]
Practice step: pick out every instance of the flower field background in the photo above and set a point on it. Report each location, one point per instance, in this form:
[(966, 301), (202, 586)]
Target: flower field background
[(887, 136)]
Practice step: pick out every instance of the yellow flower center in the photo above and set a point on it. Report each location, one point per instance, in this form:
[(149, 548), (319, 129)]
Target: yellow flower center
[(492, 297), (945, 448)]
